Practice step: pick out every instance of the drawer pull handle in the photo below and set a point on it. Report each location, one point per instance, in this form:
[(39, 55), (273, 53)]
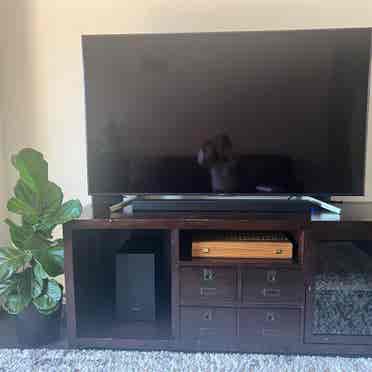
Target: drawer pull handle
[(271, 276), (269, 292), (208, 291), (207, 315), (279, 251), (208, 275), (270, 317), (205, 250)]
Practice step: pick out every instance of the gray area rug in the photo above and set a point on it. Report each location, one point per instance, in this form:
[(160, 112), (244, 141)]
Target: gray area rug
[(128, 361)]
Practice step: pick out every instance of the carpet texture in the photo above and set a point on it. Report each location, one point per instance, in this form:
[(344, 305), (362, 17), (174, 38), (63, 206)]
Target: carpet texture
[(106, 360)]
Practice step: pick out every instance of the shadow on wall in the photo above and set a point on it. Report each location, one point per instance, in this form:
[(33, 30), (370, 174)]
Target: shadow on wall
[(17, 99)]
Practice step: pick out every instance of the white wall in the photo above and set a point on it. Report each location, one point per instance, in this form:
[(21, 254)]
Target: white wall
[(3, 176), (44, 100), (3, 185)]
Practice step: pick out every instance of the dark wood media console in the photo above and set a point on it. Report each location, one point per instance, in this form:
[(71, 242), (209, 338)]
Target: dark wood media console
[(319, 302)]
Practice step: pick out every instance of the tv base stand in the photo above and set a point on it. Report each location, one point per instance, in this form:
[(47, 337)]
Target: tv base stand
[(317, 302), (202, 203)]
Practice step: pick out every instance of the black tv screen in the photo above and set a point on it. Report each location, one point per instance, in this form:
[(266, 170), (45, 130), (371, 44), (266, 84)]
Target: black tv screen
[(281, 112)]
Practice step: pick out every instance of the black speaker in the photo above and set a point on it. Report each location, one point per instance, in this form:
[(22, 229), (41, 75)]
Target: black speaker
[(137, 283)]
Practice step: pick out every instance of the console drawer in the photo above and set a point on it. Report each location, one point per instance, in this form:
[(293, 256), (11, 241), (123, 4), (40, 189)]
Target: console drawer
[(273, 286), (269, 324), (216, 324), (210, 285)]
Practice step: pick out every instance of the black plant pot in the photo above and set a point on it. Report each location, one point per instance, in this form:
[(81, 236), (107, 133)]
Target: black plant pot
[(35, 329)]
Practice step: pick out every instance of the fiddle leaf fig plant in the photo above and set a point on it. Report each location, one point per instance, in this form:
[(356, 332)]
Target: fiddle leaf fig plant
[(28, 266)]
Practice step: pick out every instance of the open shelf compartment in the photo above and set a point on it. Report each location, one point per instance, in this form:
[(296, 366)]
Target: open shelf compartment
[(186, 256), (96, 287)]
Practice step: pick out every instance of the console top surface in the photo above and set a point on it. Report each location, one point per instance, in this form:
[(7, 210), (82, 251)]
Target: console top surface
[(351, 212)]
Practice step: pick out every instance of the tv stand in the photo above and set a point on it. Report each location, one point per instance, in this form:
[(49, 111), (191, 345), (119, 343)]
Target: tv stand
[(315, 303), (254, 204)]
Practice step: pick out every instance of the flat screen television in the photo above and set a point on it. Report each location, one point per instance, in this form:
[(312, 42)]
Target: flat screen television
[(232, 113)]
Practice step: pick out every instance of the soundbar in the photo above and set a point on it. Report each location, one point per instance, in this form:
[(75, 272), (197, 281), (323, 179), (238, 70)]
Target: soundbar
[(254, 204)]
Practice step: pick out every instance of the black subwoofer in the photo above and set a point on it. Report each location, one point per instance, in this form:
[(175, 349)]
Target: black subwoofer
[(137, 280)]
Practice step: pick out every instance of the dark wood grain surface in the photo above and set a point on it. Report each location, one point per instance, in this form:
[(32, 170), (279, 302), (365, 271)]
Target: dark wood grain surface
[(231, 307)]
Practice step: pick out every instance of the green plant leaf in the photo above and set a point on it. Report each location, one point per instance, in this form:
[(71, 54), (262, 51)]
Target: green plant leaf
[(18, 206), (36, 289), (19, 234), (68, 211), (44, 229), (7, 286), (29, 221), (11, 260), (52, 198), (23, 192), (39, 273), (56, 260), (14, 304), (50, 298), (46, 201), (39, 277), (51, 203), (32, 168), (51, 311), (46, 253), (19, 297)]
